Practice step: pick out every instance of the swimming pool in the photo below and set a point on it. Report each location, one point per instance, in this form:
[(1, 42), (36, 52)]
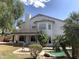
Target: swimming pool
[(56, 54)]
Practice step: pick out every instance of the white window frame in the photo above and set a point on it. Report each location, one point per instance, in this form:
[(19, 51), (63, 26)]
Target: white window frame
[(42, 26), (49, 26)]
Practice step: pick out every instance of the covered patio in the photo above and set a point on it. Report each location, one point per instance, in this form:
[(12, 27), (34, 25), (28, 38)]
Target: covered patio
[(25, 37)]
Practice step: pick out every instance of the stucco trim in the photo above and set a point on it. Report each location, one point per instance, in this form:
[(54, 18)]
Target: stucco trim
[(28, 33), (45, 20)]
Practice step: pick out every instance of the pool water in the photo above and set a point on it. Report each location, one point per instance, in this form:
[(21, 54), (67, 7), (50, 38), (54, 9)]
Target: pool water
[(56, 54)]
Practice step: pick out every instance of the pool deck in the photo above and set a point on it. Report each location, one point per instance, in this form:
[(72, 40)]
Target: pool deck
[(49, 49), (45, 49)]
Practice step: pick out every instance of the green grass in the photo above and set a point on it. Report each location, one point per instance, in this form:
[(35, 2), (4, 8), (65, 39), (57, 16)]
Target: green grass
[(7, 48), (6, 53)]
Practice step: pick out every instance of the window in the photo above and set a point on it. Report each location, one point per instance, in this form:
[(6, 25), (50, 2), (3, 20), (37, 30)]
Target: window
[(33, 26), (49, 26), (42, 26), (22, 38), (77, 21), (49, 39), (32, 38)]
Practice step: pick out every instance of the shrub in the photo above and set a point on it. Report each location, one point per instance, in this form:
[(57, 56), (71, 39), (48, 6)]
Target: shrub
[(35, 49), (43, 38)]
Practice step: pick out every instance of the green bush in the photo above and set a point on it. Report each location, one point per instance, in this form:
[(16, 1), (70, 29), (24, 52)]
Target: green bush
[(43, 38), (35, 49)]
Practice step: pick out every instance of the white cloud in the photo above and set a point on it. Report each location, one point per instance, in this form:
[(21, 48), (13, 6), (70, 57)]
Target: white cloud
[(39, 4), (36, 3), (44, 0)]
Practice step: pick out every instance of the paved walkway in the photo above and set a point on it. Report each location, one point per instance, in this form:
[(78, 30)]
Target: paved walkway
[(22, 51)]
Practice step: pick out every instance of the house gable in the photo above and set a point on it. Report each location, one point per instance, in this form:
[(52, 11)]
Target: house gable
[(41, 15)]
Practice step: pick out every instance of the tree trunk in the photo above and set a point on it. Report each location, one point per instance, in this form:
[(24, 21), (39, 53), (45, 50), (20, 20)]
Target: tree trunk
[(13, 38), (3, 34), (76, 52), (66, 52), (73, 52)]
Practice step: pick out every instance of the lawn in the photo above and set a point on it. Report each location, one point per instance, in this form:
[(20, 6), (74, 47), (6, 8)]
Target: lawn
[(6, 53)]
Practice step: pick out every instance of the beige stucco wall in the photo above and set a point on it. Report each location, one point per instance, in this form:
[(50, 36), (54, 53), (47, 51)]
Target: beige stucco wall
[(57, 26)]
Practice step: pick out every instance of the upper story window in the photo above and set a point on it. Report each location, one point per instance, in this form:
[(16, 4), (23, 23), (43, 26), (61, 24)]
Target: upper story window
[(42, 26), (49, 26), (77, 21), (33, 26)]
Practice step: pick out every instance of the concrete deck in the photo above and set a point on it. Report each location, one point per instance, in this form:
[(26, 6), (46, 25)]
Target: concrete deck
[(22, 51), (27, 50)]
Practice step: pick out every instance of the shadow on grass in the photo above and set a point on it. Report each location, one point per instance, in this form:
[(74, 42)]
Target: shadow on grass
[(14, 44), (29, 58)]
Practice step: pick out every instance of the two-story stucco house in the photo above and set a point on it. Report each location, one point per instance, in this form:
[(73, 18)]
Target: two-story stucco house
[(30, 29)]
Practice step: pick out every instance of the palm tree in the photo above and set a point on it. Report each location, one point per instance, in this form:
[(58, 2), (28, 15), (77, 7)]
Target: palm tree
[(71, 28)]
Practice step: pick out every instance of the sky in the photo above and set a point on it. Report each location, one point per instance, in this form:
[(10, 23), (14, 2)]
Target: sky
[(55, 8)]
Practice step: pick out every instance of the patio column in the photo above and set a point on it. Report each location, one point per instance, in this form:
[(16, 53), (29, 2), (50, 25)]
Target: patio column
[(13, 38), (16, 38), (36, 37)]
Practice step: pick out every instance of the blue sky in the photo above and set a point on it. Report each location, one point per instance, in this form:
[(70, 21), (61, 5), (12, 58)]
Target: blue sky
[(54, 8)]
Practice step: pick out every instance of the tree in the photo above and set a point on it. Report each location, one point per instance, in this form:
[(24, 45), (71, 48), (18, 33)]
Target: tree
[(71, 30), (35, 49), (10, 11), (56, 43), (43, 38), (3, 16), (60, 41), (15, 8), (19, 23)]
